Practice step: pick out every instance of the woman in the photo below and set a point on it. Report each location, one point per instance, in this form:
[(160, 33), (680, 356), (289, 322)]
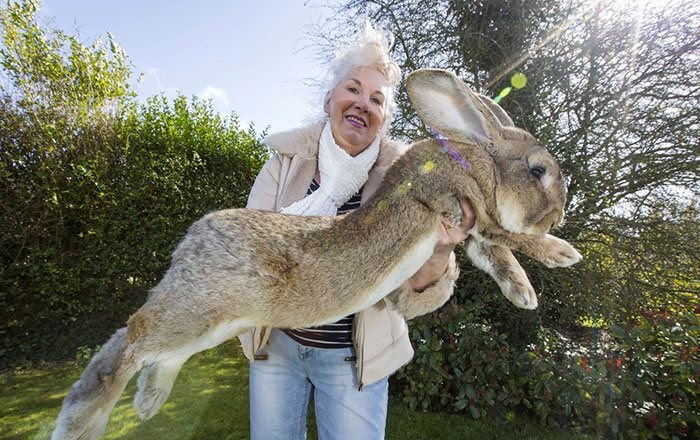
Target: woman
[(330, 168)]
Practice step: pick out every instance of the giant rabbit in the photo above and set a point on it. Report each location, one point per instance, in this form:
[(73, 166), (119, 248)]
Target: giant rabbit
[(240, 268)]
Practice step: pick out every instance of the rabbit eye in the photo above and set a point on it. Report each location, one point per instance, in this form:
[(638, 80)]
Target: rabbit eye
[(538, 171)]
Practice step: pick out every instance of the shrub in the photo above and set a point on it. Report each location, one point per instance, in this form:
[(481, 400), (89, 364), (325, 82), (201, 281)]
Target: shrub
[(461, 365), (91, 215), (640, 381)]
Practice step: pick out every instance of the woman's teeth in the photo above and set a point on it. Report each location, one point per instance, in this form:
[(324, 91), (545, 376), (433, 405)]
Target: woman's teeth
[(356, 121)]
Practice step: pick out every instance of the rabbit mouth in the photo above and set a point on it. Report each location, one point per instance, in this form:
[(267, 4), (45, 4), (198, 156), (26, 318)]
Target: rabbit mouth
[(531, 220), (550, 221)]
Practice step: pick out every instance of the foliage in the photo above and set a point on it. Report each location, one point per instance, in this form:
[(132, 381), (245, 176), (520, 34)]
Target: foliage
[(632, 260), (635, 382), (54, 75), (210, 401), (610, 91), (90, 224), (95, 189)]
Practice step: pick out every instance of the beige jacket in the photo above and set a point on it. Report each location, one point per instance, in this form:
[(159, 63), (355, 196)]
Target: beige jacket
[(380, 333)]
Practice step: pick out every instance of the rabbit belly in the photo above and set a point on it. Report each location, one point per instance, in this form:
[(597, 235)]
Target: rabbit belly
[(406, 267)]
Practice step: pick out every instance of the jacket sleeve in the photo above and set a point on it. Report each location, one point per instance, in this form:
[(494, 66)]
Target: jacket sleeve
[(263, 195), (411, 303)]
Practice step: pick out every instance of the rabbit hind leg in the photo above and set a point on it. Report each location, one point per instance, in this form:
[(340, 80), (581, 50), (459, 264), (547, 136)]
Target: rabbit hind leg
[(156, 380)]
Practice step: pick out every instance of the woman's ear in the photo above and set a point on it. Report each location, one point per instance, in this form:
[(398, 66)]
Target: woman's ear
[(327, 103)]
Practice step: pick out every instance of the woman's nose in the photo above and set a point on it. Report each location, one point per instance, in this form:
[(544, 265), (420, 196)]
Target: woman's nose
[(362, 102)]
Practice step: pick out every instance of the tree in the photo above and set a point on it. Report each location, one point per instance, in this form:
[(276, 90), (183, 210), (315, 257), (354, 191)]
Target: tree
[(48, 69), (613, 92), (96, 189)]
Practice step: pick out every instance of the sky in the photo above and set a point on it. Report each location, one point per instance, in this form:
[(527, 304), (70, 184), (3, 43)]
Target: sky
[(250, 57)]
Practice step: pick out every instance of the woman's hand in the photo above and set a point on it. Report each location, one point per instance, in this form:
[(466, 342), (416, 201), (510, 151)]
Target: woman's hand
[(449, 235)]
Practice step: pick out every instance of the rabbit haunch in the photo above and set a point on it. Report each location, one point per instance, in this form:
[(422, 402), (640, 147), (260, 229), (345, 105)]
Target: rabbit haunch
[(236, 269)]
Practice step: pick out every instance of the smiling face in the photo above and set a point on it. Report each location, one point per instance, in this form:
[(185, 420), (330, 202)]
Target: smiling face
[(357, 109)]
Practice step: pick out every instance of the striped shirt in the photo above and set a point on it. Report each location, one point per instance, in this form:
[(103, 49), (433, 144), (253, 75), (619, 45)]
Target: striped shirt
[(337, 334)]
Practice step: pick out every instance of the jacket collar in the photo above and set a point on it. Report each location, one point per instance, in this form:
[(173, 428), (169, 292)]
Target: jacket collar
[(301, 142)]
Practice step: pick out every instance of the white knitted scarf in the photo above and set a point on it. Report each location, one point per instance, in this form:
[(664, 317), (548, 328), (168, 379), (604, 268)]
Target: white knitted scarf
[(342, 176)]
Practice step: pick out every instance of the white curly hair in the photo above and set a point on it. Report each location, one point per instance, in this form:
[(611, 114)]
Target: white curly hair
[(370, 49)]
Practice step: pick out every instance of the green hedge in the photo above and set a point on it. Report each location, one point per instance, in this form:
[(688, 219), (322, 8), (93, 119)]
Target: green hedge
[(91, 213), (640, 381)]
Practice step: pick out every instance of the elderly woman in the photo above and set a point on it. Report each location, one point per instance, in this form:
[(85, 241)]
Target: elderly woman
[(330, 168)]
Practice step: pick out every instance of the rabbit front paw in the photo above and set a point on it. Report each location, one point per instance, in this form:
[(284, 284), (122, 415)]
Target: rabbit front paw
[(558, 252), (499, 262)]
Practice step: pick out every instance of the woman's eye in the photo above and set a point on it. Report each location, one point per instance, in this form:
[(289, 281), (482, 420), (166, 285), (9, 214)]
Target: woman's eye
[(354, 90), (377, 101)]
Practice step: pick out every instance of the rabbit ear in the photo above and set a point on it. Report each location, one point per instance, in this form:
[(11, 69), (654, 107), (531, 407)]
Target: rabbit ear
[(448, 105), (497, 111)]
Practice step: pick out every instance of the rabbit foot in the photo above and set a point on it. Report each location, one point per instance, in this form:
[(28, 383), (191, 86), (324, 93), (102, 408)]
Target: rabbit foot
[(558, 253), (521, 294), (499, 262), (154, 385), (147, 404), (149, 397)]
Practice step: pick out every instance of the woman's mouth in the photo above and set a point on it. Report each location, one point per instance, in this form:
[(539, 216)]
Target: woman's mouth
[(356, 121)]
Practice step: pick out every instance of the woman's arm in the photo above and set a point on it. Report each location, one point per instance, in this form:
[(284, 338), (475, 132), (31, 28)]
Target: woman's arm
[(263, 195)]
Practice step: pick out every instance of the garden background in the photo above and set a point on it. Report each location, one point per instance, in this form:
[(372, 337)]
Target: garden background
[(96, 189)]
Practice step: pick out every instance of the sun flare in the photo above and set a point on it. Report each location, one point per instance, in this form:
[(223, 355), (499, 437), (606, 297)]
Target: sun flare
[(638, 7)]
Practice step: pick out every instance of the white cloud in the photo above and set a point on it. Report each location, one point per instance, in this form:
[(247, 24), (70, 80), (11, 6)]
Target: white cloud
[(149, 84), (152, 74), (218, 96)]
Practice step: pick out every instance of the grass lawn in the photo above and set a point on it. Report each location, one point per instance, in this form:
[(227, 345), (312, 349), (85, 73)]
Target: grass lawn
[(210, 401)]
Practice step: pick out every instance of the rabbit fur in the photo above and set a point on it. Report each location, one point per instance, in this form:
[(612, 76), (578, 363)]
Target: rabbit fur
[(240, 268)]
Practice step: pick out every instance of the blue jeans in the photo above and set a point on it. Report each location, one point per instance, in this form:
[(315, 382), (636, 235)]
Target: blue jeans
[(282, 384)]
